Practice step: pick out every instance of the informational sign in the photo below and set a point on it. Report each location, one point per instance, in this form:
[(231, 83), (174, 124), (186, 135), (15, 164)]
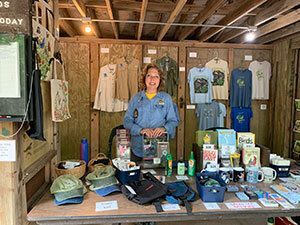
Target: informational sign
[(8, 151), (15, 16), (106, 206), (10, 71)]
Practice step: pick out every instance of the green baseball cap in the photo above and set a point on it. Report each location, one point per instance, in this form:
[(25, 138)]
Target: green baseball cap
[(66, 187), (102, 177)]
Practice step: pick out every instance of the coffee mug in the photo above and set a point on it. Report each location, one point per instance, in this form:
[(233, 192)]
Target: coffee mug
[(254, 175), (226, 174), (238, 174), (210, 171), (269, 174)]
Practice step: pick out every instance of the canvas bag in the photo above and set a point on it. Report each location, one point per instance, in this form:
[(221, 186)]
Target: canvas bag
[(59, 96)]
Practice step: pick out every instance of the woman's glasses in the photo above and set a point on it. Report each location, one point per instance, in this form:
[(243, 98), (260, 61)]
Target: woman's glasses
[(156, 77)]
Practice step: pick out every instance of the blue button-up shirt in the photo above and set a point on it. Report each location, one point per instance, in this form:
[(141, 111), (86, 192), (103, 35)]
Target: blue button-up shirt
[(145, 113)]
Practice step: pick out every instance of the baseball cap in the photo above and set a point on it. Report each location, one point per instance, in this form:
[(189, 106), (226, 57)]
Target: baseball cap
[(108, 190), (67, 186), (76, 200)]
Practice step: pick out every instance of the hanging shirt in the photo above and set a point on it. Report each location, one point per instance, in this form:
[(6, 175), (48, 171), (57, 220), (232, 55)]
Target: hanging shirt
[(169, 68), (222, 115), (240, 119), (144, 113), (240, 88), (105, 93), (200, 80), (220, 82), (261, 74), (208, 115), (127, 74)]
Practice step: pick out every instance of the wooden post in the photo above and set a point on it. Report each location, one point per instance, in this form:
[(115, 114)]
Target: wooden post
[(230, 67), (12, 195), (181, 102)]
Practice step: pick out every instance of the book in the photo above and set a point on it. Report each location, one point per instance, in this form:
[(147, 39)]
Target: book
[(209, 156), (292, 194), (245, 138), (268, 202), (226, 137), (206, 137), (295, 173), (251, 156)]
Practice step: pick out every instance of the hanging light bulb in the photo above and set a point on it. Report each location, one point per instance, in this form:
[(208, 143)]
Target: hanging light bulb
[(88, 28), (250, 36)]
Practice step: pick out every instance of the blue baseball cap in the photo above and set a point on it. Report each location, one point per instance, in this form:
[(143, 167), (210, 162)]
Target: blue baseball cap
[(76, 200), (107, 190)]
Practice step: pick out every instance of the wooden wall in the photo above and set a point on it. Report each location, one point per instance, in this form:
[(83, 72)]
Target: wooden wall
[(97, 125)]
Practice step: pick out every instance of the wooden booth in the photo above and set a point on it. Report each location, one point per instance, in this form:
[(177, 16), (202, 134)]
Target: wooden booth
[(190, 32)]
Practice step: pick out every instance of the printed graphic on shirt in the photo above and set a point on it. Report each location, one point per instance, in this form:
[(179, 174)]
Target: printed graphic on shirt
[(208, 113), (200, 85), (260, 74), (219, 77), (240, 118), (240, 82)]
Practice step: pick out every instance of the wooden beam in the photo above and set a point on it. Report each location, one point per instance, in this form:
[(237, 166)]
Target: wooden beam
[(80, 6), (95, 26), (203, 15), (263, 16), (111, 16), (174, 14), (66, 25), (284, 32), (247, 7), (142, 18), (281, 22)]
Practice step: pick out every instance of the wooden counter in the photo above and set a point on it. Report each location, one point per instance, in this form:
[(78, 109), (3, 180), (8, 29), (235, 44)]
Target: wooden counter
[(47, 213)]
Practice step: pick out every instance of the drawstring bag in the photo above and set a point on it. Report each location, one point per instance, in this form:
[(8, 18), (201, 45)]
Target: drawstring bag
[(59, 96)]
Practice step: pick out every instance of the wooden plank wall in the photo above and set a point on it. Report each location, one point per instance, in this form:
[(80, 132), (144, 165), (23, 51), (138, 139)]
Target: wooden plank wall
[(77, 63), (101, 123)]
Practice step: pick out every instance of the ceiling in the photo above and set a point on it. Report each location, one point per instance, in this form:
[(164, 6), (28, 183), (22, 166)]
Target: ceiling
[(153, 19)]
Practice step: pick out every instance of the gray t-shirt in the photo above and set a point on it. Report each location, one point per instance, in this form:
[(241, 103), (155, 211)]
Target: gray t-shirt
[(208, 115), (240, 88)]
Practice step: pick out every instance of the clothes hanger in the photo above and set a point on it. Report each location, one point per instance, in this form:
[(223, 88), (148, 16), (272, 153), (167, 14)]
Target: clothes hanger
[(216, 56), (242, 67), (260, 57)]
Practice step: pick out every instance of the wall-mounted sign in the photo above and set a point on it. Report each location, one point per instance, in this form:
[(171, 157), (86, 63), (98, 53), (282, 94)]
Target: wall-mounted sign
[(15, 16)]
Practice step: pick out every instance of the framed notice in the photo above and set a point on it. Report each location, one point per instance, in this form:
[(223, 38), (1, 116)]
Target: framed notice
[(9, 70)]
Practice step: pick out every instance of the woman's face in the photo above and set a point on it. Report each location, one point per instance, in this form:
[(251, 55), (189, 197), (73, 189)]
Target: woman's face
[(152, 79)]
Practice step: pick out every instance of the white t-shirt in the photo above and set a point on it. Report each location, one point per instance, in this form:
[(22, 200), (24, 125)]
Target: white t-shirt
[(261, 74), (105, 93), (220, 73)]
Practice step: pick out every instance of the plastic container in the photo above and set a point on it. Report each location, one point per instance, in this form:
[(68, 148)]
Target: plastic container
[(211, 194), (282, 171), (128, 176), (84, 150)]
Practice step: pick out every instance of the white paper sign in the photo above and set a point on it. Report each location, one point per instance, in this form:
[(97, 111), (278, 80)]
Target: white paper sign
[(182, 177), (248, 57), (181, 68), (152, 51), (190, 107), (8, 151), (10, 71), (147, 59), (263, 106), (104, 50), (106, 206), (193, 54), (242, 205), (211, 205), (150, 171), (170, 207)]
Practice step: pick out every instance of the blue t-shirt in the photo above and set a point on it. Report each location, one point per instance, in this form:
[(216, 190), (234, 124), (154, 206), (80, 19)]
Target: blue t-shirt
[(240, 88), (200, 82), (240, 119), (208, 115)]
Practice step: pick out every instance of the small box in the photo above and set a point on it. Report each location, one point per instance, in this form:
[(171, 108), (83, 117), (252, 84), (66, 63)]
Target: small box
[(282, 171), (211, 194), (127, 176)]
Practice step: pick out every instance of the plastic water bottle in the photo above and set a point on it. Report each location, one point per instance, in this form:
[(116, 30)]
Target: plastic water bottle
[(84, 150)]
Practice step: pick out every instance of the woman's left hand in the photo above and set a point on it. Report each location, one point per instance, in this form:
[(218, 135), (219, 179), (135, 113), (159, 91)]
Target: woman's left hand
[(158, 131)]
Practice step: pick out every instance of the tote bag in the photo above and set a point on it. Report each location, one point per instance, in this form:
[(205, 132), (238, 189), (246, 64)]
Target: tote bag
[(59, 96)]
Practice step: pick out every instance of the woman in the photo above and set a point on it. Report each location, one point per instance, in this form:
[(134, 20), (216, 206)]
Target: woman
[(150, 112)]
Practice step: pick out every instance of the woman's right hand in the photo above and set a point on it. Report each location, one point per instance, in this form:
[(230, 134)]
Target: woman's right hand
[(148, 132)]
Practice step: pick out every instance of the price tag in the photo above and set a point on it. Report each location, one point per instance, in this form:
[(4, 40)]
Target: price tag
[(190, 107), (8, 151), (193, 54), (147, 59), (181, 68), (248, 57), (104, 50), (152, 51), (182, 177), (170, 207), (106, 206), (211, 205)]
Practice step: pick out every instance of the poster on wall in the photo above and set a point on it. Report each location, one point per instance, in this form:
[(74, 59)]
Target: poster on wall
[(9, 70), (45, 49)]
